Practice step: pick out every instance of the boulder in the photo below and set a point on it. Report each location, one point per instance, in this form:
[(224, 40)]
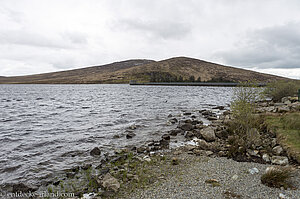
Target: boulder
[(277, 150), (197, 133), (173, 121), (164, 143), (95, 152), (203, 144), (132, 127), (208, 134), (280, 160), (266, 158), (141, 149), (175, 132), (286, 100), (187, 113), (189, 134), (254, 153), (186, 127), (189, 147), (207, 113), (130, 135), (219, 107), (110, 183), (20, 187), (199, 152), (222, 134), (166, 137), (212, 118), (283, 109), (187, 121), (199, 126)]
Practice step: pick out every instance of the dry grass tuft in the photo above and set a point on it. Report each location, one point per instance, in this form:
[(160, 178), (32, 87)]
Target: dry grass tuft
[(277, 177)]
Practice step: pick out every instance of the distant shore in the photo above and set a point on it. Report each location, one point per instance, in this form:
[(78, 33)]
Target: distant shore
[(222, 84)]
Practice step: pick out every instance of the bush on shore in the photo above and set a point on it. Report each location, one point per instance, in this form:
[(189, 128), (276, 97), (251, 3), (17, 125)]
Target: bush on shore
[(245, 124), (279, 89)]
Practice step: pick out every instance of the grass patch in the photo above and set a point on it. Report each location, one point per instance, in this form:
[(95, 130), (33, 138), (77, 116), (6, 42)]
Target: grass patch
[(288, 127), (277, 177)]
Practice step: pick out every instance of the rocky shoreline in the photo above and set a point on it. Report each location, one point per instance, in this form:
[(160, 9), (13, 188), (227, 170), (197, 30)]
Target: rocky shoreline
[(212, 139)]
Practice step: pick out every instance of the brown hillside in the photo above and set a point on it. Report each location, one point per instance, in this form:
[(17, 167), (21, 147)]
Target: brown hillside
[(143, 70)]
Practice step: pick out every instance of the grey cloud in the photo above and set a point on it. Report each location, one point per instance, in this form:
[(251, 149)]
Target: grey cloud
[(47, 40), (161, 29), (271, 47)]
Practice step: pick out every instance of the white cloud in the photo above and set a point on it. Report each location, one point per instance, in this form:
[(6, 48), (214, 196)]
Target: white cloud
[(41, 36)]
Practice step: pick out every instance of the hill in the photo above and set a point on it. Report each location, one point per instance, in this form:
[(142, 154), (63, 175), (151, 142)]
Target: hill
[(174, 69)]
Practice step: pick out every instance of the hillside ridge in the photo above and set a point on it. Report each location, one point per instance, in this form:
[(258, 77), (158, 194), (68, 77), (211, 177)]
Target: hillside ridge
[(174, 69)]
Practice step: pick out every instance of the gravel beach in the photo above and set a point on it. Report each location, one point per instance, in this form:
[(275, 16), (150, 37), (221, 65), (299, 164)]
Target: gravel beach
[(233, 181)]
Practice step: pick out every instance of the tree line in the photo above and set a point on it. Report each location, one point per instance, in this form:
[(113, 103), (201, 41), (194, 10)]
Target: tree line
[(167, 77)]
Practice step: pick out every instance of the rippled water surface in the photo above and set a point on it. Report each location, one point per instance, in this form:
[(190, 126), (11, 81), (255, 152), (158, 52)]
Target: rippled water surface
[(48, 128)]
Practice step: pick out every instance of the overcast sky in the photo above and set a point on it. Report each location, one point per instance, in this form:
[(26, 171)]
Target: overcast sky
[(39, 36)]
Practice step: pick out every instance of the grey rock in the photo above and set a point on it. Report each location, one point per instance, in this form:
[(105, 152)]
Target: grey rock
[(280, 160), (208, 134), (273, 142), (173, 121), (222, 134), (86, 166), (130, 135), (212, 118), (253, 171), (199, 126), (110, 183), (166, 137), (187, 121), (206, 113), (254, 153), (175, 132), (198, 152), (95, 152), (20, 187), (209, 153), (186, 127), (266, 158), (203, 144), (235, 177), (219, 107), (279, 104), (132, 127), (277, 150), (283, 109), (189, 134)]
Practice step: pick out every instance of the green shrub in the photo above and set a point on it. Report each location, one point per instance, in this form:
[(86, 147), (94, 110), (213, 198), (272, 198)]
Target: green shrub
[(279, 89), (245, 124)]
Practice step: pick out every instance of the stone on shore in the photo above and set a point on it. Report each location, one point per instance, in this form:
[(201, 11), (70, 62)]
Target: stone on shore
[(130, 135), (186, 127), (203, 144), (266, 158), (277, 150), (175, 132), (110, 183), (280, 160), (166, 137), (208, 134), (95, 152)]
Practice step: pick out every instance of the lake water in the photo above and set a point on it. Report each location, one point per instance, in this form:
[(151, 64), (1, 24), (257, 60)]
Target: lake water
[(48, 128)]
